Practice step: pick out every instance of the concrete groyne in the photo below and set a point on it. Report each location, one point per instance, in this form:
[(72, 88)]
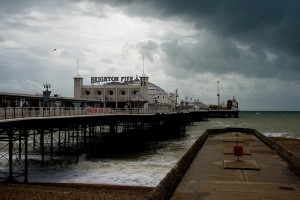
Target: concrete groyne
[(169, 183)]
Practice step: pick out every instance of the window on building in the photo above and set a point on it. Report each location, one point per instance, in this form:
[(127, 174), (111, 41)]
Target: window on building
[(110, 92)]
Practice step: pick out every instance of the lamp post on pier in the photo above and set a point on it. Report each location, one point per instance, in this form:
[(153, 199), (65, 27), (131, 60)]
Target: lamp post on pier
[(46, 94), (218, 95)]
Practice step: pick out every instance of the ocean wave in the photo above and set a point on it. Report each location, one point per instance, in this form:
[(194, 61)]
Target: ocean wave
[(271, 134)]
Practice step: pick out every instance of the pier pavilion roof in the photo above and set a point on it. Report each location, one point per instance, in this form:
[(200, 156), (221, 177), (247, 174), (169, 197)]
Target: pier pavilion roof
[(154, 89)]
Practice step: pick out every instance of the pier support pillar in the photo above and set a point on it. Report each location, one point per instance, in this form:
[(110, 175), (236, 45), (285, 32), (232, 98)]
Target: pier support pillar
[(10, 155), (25, 133), (42, 147)]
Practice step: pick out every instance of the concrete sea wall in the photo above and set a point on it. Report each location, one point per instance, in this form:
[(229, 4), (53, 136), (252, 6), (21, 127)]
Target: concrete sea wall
[(168, 184)]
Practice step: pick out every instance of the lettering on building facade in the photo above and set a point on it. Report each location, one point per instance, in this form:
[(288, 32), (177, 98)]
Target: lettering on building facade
[(111, 78)]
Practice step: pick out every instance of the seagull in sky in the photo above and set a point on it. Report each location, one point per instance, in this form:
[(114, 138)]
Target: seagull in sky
[(54, 50)]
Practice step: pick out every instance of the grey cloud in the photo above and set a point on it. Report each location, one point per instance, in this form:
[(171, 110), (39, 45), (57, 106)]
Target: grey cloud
[(107, 60), (20, 7), (1, 39), (148, 49), (49, 6)]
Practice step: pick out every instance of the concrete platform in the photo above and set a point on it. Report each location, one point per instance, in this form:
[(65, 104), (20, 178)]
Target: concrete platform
[(208, 179), (234, 140), (241, 164)]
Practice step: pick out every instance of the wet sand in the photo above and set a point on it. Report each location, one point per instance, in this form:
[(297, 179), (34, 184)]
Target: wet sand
[(94, 191)]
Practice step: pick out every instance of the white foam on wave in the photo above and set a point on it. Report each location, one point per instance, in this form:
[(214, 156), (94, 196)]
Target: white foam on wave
[(217, 124), (271, 134), (145, 171)]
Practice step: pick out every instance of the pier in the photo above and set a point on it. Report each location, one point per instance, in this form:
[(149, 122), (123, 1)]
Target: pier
[(48, 138)]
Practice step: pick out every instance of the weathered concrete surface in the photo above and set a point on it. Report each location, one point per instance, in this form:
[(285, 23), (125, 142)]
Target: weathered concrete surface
[(206, 177)]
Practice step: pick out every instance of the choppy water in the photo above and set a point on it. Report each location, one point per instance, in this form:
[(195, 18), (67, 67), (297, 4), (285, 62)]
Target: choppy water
[(149, 167)]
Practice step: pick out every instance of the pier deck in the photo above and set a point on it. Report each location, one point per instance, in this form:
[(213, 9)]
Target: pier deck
[(215, 173)]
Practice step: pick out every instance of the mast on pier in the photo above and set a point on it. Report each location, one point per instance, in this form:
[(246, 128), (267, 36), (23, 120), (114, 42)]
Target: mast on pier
[(218, 94)]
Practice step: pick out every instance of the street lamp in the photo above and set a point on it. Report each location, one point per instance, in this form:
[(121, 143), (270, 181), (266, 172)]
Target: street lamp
[(47, 85), (46, 94)]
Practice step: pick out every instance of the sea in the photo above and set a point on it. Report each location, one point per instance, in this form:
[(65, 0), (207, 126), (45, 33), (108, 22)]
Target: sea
[(148, 168)]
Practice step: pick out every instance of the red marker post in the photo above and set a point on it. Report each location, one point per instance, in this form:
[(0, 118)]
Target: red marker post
[(238, 151)]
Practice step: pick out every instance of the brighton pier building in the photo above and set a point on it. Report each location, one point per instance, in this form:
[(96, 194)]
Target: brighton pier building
[(125, 93)]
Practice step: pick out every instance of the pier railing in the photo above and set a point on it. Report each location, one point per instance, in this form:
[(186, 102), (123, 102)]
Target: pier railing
[(22, 112)]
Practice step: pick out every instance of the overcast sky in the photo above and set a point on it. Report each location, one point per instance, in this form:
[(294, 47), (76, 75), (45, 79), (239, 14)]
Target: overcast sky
[(251, 47)]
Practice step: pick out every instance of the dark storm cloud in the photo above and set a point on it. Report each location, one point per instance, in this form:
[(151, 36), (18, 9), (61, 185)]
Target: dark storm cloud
[(265, 26), (273, 22)]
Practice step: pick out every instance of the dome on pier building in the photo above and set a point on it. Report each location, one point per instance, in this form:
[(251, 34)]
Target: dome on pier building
[(154, 89)]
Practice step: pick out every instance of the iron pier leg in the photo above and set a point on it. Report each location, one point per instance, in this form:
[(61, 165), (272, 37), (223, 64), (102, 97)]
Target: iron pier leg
[(42, 147), (51, 144), (65, 137), (10, 155), (20, 143), (59, 140), (84, 137), (77, 144), (34, 140), (26, 133), (92, 134), (73, 136)]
